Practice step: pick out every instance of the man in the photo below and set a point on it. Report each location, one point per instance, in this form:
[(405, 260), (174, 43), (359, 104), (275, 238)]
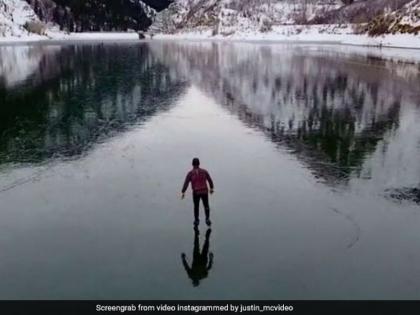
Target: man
[(198, 177)]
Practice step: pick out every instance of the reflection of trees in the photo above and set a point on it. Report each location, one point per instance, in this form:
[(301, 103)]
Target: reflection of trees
[(81, 95), (327, 141), (329, 110)]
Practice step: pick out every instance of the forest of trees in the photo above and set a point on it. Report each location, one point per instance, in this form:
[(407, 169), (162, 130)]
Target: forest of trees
[(97, 15)]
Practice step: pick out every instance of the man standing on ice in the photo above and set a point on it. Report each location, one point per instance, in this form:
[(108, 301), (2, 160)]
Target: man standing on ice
[(199, 178)]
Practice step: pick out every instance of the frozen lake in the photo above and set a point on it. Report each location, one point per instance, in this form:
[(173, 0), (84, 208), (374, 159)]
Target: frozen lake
[(314, 151)]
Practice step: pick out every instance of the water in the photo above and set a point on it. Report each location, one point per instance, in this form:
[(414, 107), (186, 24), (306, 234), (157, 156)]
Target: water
[(314, 151)]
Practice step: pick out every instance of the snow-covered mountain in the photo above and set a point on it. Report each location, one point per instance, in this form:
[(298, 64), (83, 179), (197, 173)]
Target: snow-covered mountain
[(216, 17), (78, 15), (401, 20), (95, 15), (226, 17), (13, 16), (357, 12)]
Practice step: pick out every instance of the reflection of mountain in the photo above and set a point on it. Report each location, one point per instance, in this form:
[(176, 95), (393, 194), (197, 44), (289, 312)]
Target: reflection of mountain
[(329, 110), (78, 96), (18, 63)]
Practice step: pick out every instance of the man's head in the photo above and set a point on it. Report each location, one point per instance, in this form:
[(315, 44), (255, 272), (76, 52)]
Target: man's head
[(195, 162)]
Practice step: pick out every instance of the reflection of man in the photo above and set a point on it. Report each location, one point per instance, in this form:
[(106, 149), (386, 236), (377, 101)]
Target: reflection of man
[(199, 268), (198, 177)]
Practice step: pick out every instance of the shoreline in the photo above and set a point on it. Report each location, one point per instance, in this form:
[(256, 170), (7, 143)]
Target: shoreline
[(284, 34), (406, 41), (330, 34), (61, 37)]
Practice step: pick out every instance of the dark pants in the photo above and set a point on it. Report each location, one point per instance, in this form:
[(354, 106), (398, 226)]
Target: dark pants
[(205, 198)]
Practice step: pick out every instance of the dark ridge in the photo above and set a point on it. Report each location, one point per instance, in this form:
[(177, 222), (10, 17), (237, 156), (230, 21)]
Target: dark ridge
[(96, 15)]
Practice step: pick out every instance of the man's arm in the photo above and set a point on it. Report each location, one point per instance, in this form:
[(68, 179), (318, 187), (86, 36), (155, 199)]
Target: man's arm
[(186, 183), (208, 177)]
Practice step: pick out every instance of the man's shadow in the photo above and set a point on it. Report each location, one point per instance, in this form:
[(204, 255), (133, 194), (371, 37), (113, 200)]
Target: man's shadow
[(201, 262)]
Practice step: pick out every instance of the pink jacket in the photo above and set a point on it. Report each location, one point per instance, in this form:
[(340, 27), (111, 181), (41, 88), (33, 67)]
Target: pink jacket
[(198, 178)]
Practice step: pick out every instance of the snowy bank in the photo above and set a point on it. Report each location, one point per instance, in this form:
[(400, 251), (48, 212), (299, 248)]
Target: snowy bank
[(61, 36), (307, 34), (331, 34)]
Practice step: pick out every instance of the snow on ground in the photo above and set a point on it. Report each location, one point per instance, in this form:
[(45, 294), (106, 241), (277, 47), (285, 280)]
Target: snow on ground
[(15, 13), (96, 36), (149, 11), (411, 14), (286, 33), (262, 15), (61, 36), (269, 20), (13, 16), (307, 33)]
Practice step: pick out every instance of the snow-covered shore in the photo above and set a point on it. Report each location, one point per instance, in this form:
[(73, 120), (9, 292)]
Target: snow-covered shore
[(332, 34), (315, 33), (60, 36)]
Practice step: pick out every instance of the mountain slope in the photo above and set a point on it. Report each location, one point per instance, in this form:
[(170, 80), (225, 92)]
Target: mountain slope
[(226, 16), (13, 16), (95, 15), (361, 11), (223, 17), (403, 20)]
